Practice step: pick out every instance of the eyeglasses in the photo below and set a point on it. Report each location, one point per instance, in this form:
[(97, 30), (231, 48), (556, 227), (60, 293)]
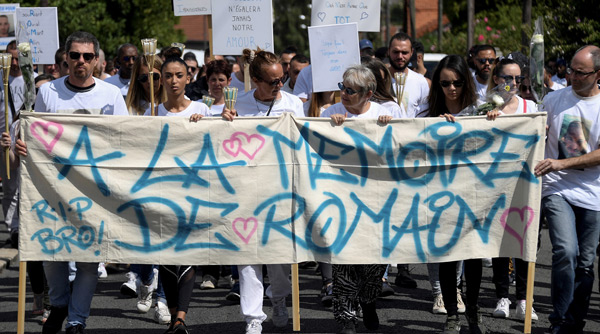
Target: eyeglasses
[(579, 73), (144, 77), (517, 78), (525, 88), (276, 82), (128, 58), (347, 90), (87, 56), (485, 60), (455, 83)]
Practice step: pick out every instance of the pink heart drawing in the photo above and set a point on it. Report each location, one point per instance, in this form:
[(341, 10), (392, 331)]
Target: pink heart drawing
[(245, 233), (45, 128), (240, 142), (521, 213)]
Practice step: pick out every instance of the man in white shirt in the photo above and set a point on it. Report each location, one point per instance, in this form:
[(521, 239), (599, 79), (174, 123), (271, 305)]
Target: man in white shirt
[(126, 56), (296, 65), (571, 189), (483, 60), (561, 73), (79, 92)]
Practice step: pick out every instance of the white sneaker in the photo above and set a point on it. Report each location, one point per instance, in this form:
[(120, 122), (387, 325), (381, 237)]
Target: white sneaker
[(161, 313), (254, 327), (502, 308), (280, 312), (102, 271), (129, 288), (460, 305), (520, 314), (144, 297), (438, 305)]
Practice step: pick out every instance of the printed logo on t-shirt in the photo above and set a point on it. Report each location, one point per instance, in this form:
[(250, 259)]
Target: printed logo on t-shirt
[(574, 135)]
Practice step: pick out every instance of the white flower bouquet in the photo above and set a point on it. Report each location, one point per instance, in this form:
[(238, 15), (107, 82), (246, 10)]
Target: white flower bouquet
[(494, 99), (536, 61), (26, 64)]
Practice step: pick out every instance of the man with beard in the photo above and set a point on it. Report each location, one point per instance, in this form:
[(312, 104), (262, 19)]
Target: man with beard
[(126, 56), (484, 59), (413, 94)]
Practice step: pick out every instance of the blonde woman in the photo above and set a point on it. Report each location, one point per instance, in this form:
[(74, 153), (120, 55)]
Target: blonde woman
[(138, 96)]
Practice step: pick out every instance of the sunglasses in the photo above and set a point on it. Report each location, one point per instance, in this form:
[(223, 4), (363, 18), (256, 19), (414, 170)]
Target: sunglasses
[(276, 82), (579, 73), (347, 90), (525, 88), (455, 83), (144, 77), (128, 58), (485, 60), (192, 69), (508, 78), (87, 56)]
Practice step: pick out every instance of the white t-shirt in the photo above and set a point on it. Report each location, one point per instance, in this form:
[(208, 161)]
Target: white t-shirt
[(414, 100), (557, 86), (304, 84), (17, 89), (286, 87), (480, 89), (524, 106), (103, 98), (573, 130), (121, 83), (216, 110), (562, 82), (375, 110), (393, 108), (194, 108), (247, 105), (235, 82)]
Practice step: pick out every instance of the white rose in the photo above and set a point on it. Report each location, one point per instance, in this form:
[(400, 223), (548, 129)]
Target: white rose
[(24, 47), (497, 100), (537, 38)]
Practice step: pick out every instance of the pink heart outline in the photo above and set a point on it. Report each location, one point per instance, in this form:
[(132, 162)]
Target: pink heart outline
[(229, 145), (45, 127), (249, 235), (512, 231)]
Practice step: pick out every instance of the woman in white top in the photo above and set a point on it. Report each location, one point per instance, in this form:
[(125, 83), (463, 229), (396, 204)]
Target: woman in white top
[(218, 74), (266, 100), (354, 284), (138, 96), (508, 71)]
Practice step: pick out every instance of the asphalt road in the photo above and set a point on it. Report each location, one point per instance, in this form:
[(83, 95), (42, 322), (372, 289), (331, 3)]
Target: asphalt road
[(408, 311)]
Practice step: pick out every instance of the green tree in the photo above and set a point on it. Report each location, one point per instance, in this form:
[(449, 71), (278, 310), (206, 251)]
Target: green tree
[(115, 22), (290, 24)]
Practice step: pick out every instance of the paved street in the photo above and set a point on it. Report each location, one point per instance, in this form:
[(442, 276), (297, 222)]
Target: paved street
[(409, 311)]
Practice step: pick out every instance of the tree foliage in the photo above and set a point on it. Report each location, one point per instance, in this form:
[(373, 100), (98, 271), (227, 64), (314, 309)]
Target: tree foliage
[(115, 22), (289, 29)]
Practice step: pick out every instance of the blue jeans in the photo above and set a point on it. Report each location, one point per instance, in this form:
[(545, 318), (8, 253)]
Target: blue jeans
[(84, 285), (574, 234), (146, 274)]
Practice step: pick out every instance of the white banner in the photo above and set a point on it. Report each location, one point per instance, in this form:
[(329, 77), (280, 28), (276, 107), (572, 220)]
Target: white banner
[(364, 12), (241, 24), (40, 29), (163, 190), (191, 7), (332, 50)]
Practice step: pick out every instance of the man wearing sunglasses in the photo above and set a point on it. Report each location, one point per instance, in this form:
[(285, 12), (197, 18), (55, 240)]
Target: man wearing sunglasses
[(483, 60), (413, 94), (126, 56), (571, 189), (79, 92)]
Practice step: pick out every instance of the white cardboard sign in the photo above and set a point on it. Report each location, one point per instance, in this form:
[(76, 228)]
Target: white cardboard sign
[(239, 24), (191, 7), (333, 49), (40, 29), (364, 12)]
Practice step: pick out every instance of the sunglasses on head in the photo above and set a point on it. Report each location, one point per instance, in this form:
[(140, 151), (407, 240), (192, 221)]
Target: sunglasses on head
[(276, 82), (144, 77), (347, 90), (508, 78), (485, 60), (455, 83), (87, 56), (128, 58)]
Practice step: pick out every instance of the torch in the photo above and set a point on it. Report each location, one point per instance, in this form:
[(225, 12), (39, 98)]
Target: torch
[(5, 59), (149, 48)]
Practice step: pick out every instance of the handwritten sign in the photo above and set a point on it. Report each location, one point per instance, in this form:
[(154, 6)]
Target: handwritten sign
[(365, 13), (191, 7), (333, 49), (278, 190), (39, 26), (7, 23), (242, 24)]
